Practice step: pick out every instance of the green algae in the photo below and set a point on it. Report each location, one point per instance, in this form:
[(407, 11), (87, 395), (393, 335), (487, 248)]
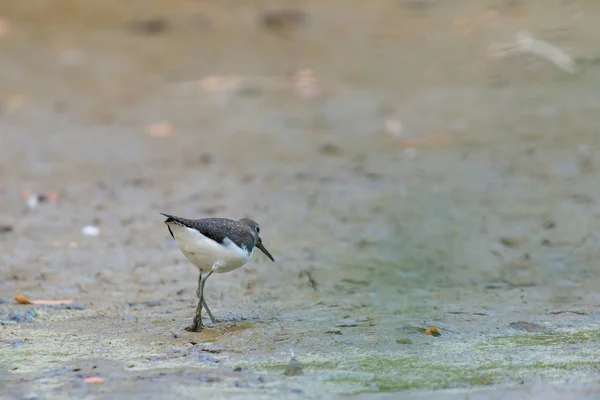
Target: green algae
[(383, 384), (383, 374), (436, 377), (543, 339)]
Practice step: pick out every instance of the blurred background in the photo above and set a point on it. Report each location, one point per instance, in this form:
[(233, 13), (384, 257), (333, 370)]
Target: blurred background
[(410, 162)]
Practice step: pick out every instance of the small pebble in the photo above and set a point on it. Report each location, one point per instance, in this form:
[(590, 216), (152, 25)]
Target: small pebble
[(206, 358), (511, 242), (549, 224), (283, 19), (206, 159), (150, 26), (31, 396), (348, 323), (209, 379), (28, 316), (90, 230), (432, 331), (404, 341), (213, 349), (75, 307), (527, 326), (294, 368), (96, 380), (330, 149), (4, 228)]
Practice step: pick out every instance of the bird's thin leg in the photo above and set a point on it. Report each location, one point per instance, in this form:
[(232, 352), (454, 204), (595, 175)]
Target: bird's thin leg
[(213, 320), (197, 323)]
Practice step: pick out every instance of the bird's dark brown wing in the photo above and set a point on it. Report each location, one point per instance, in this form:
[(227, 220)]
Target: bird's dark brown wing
[(217, 229)]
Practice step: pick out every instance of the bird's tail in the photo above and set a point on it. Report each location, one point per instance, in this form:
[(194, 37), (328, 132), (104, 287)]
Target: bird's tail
[(170, 218), (176, 220)]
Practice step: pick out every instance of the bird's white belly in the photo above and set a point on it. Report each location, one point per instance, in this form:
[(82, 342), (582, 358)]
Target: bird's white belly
[(207, 254)]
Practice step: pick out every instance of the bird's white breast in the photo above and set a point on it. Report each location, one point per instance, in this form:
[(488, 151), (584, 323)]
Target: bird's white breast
[(207, 254)]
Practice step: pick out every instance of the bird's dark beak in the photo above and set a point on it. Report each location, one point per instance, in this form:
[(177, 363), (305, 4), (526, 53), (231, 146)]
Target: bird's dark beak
[(262, 248)]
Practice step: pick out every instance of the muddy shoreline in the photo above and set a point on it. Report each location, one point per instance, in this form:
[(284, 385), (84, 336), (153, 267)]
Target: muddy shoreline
[(403, 176)]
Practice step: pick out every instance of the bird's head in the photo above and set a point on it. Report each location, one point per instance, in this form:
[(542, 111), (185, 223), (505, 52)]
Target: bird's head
[(255, 229)]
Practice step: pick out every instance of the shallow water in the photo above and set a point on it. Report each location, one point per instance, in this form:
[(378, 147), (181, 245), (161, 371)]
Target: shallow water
[(419, 177)]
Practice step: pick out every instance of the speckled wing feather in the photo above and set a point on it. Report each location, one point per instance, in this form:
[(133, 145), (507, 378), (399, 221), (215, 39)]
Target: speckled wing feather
[(216, 229)]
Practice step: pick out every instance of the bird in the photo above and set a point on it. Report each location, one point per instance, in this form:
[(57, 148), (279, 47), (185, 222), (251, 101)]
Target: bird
[(214, 245)]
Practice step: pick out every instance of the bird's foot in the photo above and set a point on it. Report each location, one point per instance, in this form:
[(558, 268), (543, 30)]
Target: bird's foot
[(194, 327), (197, 324), (197, 327)]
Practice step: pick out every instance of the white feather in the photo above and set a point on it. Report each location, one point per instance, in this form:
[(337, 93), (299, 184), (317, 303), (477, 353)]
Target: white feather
[(207, 254)]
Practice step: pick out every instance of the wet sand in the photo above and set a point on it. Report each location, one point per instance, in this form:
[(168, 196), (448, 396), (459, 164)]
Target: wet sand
[(404, 172)]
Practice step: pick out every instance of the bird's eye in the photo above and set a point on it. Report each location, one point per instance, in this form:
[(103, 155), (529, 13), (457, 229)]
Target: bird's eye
[(258, 229)]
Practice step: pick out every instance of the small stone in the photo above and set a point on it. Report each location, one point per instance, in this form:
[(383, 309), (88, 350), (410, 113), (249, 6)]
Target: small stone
[(206, 159), (75, 307), (527, 327), (348, 323), (294, 368), (150, 26), (511, 242), (26, 317), (404, 341), (549, 224), (209, 379), (22, 299), (330, 149), (283, 19), (205, 358), (90, 230), (4, 228), (432, 331), (16, 318), (237, 369), (95, 380), (213, 349)]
